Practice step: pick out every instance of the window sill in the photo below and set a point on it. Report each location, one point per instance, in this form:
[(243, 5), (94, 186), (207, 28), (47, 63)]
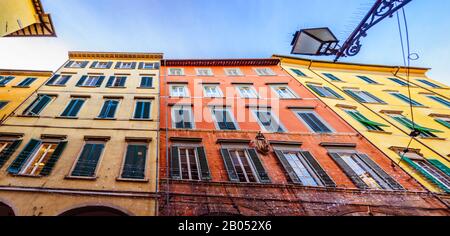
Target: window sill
[(133, 180), (21, 87), (67, 118), (28, 116), (178, 97), (145, 87), (56, 85), (433, 138), (105, 118), (379, 132), (84, 86), (116, 87), (293, 99), (81, 178), (142, 120), (27, 176)]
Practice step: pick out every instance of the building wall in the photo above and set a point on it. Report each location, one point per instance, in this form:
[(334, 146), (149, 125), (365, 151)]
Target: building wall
[(396, 135), (14, 95), (281, 197), (106, 188), (12, 11)]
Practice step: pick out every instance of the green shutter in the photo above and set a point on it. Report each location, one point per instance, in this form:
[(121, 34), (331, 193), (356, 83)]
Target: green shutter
[(443, 122), (229, 165), (386, 177), (204, 168), (326, 179), (425, 173), (287, 167), (440, 166), (7, 153), (262, 173), (47, 170), (175, 172), (26, 153)]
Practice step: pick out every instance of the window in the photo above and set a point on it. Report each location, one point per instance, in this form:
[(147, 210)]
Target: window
[(298, 72), (38, 105), (264, 72), (3, 104), (182, 117), (212, 91), (284, 92), (146, 82), (331, 77), (364, 172), (90, 81), (435, 172), (429, 83), (5, 80), (135, 161), (179, 91), (424, 132), (370, 125), (176, 71), (247, 92), (101, 65), (367, 79), (7, 149), (87, 162), (125, 65), (188, 162), (224, 119), (244, 165), (440, 100), (59, 80), (399, 81), (268, 122), (364, 97), (204, 72), (109, 109), (324, 91), (38, 158), (406, 99), (314, 122), (444, 121), (116, 81), (142, 109), (303, 168), (73, 108), (233, 72), (76, 64), (26, 82), (148, 65)]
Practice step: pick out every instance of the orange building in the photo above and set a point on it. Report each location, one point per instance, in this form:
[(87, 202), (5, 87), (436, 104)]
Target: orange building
[(242, 137)]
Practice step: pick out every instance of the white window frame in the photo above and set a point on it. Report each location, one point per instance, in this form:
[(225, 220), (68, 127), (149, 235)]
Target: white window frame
[(289, 90), (239, 72), (186, 90), (145, 65), (305, 165), (364, 96), (103, 63), (208, 71), (227, 109), (116, 78), (85, 83), (34, 156), (333, 131), (263, 128), (60, 78), (250, 162), (126, 65), (251, 88), (188, 161), (185, 108), (77, 64), (268, 71), (219, 91), (171, 71)]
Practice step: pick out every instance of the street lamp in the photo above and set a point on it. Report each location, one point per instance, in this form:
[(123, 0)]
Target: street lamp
[(315, 42)]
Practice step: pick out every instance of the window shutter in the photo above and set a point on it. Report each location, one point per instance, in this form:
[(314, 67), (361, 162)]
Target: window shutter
[(204, 168), (175, 172), (112, 109), (94, 64), (134, 166), (84, 64), (123, 81), (26, 153), (133, 65), (386, 177), (53, 79), (228, 122), (313, 88), (41, 103), (440, 166), (69, 64), (443, 122), (7, 153), (287, 167), (353, 95), (100, 81), (349, 171), (108, 66), (88, 161), (47, 170), (138, 110), (374, 97), (337, 95), (156, 66), (229, 165), (110, 81), (263, 176), (425, 173), (326, 179), (81, 81), (118, 64), (141, 65)]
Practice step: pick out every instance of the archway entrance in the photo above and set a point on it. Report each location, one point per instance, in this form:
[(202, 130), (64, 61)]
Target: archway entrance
[(5, 210), (94, 211)]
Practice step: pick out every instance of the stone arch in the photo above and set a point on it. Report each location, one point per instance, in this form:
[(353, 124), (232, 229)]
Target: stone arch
[(6, 210), (94, 210)]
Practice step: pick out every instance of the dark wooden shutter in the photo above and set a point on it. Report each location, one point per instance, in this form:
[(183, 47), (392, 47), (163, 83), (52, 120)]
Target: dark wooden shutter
[(47, 170), (134, 166), (81, 81), (263, 176), (100, 81), (175, 172), (84, 64), (353, 95), (229, 165), (374, 166), (287, 167), (26, 153), (123, 81), (118, 64), (141, 65), (88, 160), (133, 65), (94, 64), (53, 79), (349, 171), (7, 153), (374, 98), (204, 168), (110, 81), (41, 103), (156, 66), (69, 64), (313, 88), (108, 66), (326, 179), (337, 95)]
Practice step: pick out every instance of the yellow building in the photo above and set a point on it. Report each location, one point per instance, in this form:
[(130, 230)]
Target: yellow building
[(374, 100), (87, 142), (16, 86), (24, 18)]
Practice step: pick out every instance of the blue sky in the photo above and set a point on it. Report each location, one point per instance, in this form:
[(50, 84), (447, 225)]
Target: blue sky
[(227, 29)]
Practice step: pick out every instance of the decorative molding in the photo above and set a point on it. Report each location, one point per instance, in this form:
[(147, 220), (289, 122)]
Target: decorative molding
[(329, 144), (186, 139)]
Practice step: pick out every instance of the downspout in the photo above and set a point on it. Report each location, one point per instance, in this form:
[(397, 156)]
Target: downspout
[(157, 146)]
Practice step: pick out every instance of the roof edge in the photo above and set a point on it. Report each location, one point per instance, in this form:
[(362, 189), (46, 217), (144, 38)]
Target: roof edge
[(26, 72), (114, 55), (222, 62)]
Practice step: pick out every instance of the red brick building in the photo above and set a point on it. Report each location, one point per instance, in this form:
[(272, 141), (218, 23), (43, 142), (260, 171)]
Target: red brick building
[(306, 160)]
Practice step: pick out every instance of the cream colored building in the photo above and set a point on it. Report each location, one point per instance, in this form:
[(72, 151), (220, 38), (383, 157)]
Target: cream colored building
[(87, 140)]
